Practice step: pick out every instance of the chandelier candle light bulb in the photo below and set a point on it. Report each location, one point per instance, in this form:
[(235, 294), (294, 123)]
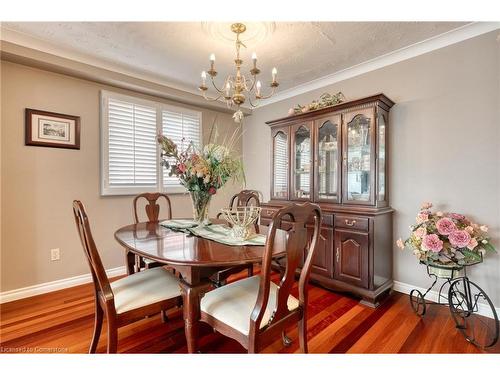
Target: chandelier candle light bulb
[(274, 73), (204, 78), (258, 86)]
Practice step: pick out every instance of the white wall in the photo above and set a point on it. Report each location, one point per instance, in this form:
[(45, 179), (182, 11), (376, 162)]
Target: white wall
[(444, 142)]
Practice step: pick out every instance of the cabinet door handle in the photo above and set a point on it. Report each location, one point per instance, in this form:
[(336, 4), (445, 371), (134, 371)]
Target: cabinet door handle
[(337, 255), (269, 212), (350, 223)]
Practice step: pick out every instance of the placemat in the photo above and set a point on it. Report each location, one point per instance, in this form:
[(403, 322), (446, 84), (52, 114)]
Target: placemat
[(222, 234), (179, 223)]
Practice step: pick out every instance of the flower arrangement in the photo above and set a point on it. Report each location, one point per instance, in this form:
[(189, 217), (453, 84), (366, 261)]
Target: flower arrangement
[(445, 238), (325, 100), (202, 171)]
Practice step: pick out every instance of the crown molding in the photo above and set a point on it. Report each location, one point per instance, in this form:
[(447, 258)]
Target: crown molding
[(443, 40), (25, 40), (26, 50), (451, 37)]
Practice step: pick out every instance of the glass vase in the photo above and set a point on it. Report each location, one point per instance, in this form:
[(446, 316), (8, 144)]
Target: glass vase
[(201, 203)]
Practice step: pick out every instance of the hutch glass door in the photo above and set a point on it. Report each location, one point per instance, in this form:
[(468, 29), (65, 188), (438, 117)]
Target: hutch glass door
[(280, 164), (327, 159), (302, 157), (358, 158)]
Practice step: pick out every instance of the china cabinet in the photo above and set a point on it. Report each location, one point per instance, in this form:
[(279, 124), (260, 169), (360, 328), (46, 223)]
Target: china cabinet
[(337, 157)]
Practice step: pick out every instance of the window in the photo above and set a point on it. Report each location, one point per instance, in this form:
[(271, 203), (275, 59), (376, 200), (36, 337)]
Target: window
[(179, 126), (130, 155)]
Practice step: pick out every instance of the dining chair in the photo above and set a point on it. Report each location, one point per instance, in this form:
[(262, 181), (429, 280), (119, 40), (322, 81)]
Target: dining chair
[(152, 209), (243, 198), (254, 310), (125, 300)]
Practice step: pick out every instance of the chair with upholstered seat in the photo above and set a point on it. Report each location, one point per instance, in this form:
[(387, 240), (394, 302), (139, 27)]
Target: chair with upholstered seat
[(254, 310), (152, 208), (244, 198), (128, 299)]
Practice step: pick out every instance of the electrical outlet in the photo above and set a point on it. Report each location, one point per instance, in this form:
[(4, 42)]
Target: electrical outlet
[(55, 254)]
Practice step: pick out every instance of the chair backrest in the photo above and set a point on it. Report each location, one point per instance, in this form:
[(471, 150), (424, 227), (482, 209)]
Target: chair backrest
[(245, 198), (152, 207), (298, 240), (101, 282)]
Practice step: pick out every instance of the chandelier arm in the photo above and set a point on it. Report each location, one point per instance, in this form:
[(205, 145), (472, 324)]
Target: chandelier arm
[(210, 99), (215, 86), (254, 81), (273, 91), (251, 103)]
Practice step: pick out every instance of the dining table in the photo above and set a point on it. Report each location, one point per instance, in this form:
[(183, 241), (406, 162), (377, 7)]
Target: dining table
[(195, 258)]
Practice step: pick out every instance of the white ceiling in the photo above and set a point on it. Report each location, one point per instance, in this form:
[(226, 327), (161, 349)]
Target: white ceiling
[(177, 52)]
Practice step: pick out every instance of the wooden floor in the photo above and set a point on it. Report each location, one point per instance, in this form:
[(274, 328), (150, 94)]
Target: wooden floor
[(62, 322)]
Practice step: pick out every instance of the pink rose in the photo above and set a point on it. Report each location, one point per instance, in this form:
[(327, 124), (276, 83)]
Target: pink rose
[(420, 232), (484, 228), (445, 226), (469, 229), (459, 238), (400, 244), (456, 216), (421, 218), (212, 190), (426, 205), (432, 242), (472, 244), (181, 167)]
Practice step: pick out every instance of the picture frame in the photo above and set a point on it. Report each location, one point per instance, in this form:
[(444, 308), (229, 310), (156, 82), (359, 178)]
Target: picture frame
[(51, 129)]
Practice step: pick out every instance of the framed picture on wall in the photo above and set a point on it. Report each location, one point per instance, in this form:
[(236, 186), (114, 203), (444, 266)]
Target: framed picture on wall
[(51, 129)]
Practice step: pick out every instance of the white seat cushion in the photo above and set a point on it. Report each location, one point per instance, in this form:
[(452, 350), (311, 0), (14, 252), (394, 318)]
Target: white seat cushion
[(233, 303), (144, 288)]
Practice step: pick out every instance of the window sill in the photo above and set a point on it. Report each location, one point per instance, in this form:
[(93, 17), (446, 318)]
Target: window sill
[(131, 191)]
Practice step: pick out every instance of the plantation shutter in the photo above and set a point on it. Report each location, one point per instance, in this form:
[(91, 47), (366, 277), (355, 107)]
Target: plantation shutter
[(132, 150), (182, 128)]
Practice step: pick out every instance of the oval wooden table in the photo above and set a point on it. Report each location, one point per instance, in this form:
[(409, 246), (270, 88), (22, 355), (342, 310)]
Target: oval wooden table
[(194, 257)]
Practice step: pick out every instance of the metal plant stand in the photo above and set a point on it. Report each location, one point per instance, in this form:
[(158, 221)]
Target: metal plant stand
[(464, 299)]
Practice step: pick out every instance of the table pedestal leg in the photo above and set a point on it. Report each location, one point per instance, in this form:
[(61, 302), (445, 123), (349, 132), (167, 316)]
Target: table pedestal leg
[(130, 262), (191, 295)]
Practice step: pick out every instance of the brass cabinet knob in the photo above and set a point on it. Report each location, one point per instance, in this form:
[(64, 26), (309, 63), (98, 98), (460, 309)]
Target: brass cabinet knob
[(350, 223)]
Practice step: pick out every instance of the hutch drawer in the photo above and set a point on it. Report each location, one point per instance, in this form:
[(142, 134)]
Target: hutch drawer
[(351, 222)]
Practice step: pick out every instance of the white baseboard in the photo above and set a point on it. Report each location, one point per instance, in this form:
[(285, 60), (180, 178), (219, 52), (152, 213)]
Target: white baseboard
[(51, 286), (483, 309)]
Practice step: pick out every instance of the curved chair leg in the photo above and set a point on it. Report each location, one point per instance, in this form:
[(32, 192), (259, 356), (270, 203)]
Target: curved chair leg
[(252, 348), (99, 314), (303, 334), (112, 337), (287, 341)]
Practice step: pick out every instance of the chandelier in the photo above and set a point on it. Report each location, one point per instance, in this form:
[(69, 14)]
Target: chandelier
[(235, 86)]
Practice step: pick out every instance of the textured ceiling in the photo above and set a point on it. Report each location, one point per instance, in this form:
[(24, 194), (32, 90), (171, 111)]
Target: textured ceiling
[(178, 51)]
